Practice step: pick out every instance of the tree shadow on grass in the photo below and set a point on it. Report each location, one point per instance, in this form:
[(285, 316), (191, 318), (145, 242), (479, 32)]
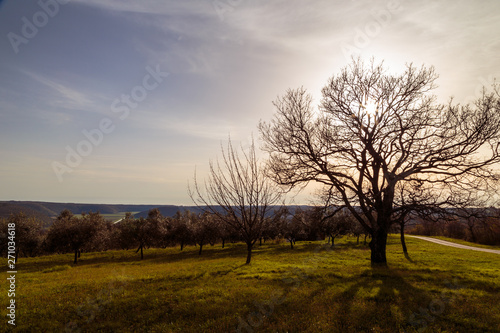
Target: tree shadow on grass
[(236, 250), (378, 299), (315, 247), (384, 299), (128, 257), (407, 257)]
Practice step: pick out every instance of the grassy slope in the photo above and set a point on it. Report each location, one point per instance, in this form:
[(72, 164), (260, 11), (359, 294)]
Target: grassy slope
[(308, 289)]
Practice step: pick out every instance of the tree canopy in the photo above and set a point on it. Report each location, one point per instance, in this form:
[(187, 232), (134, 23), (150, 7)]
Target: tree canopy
[(382, 145)]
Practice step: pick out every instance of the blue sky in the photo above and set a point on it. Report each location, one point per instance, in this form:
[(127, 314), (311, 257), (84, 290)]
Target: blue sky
[(157, 85)]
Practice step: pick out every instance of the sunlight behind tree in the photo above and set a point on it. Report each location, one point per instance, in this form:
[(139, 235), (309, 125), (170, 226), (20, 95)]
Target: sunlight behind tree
[(382, 146)]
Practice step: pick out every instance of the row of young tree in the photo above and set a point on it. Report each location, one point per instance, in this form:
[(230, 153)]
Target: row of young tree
[(92, 232)]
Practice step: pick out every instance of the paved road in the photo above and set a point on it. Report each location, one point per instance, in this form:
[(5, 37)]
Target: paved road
[(442, 242)]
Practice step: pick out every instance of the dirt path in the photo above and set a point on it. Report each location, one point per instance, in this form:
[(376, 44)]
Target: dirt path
[(442, 242)]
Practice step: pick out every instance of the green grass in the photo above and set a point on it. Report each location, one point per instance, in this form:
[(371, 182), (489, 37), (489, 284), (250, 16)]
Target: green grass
[(56, 269), (309, 289)]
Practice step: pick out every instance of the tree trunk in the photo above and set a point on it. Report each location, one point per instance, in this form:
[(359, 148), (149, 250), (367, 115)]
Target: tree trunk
[(364, 242), (291, 243), (260, 241), (249, 253), (333, 241), (473, 236), (378, 246), (182, 245), (201, 247), (79, 253), (403, 242), (142, 254), (17, 256), (76, 257)]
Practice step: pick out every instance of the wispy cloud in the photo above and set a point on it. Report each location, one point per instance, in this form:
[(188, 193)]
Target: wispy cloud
[(62, 95), (225, 72), (156, 7)]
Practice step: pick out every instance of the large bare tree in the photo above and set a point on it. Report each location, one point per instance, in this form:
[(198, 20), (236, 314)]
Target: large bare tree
[(239, 194), (377, 135)]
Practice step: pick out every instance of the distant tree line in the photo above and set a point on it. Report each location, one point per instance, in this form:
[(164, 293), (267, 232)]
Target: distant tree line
[(481, 227), (91, 232)]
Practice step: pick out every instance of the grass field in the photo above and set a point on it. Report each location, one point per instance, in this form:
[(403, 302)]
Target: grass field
[(309, 289)]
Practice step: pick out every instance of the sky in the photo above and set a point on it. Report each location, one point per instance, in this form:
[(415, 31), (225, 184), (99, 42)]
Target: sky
[(120, 101)]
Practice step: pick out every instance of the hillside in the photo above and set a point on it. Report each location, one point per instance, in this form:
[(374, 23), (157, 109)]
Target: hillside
[(45, 211), (312, 288), (169, 210), (8, 208), (172, 210)]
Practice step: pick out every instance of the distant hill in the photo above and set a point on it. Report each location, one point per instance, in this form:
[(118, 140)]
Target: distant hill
[(7, 208), (46, 211), (171, 210)]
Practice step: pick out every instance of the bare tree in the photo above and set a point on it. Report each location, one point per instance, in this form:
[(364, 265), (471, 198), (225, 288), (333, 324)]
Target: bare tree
[(374, 131), (336, 223), (292, 227), (414, 200), (238, 193), (225, 231)]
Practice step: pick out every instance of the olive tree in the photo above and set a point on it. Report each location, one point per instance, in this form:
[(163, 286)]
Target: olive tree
[(28, 234), (143, 232), (203, 229), (72, 233), (292, 226), (181, 232), (374, 131)]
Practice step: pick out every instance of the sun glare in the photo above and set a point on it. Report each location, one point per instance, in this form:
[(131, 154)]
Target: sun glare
[(371, 108)]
